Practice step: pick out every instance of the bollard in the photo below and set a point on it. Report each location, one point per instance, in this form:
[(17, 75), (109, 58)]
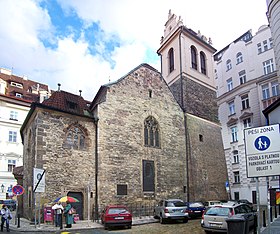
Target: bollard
[(264, 220), (275, 213), (18, 223), (271, 219)]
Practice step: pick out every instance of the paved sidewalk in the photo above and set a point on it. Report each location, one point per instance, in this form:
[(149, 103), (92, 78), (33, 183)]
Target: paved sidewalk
[(27, 226), (274, 227)]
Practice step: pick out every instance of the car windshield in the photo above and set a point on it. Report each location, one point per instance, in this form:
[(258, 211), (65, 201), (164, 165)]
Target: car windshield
[(175, 204), (196, 204), (116, 210), (218, 211)]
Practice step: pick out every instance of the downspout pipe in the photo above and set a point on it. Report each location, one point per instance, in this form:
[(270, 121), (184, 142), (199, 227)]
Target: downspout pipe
[(96, 170), (185, 117)]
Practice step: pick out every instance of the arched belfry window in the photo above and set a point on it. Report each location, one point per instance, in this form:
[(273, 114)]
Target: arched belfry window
[(151, 132), (171, 60), (75, 137), (194, 57), (203, 63)]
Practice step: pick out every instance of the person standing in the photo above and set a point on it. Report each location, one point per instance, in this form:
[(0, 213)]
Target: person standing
[(68, 215), (6, 217), (58, 210)]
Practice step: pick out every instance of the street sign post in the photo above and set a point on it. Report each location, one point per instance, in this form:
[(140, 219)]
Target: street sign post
[(262, 151)]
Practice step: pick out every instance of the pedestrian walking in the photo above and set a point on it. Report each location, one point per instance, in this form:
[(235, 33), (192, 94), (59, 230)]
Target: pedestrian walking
[(6, 216), (68, 213), (58, 210)]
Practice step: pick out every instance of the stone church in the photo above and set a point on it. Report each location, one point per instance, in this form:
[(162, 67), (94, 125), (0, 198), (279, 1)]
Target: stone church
[(145, 137)]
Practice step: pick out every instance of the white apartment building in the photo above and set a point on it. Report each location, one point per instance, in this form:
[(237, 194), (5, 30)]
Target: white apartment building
[(16, 95), (247, 83)]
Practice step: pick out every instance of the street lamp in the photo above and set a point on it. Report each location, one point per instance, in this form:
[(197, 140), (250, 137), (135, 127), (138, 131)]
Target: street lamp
[(2, 188)]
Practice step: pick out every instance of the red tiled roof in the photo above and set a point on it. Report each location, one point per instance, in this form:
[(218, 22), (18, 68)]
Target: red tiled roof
[(27, 86), (68, 102)]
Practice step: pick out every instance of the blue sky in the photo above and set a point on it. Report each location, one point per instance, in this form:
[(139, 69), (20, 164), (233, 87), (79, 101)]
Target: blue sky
[(83, 44)]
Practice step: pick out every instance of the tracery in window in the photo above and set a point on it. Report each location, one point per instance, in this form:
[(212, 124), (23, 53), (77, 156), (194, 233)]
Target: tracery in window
[(75, 137), (151, 132)]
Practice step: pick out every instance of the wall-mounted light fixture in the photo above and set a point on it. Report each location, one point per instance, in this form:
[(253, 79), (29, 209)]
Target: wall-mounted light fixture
[(2, 188)]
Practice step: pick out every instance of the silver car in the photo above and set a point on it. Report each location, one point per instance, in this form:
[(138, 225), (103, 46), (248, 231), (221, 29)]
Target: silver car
[(171, 209), (214, 218)]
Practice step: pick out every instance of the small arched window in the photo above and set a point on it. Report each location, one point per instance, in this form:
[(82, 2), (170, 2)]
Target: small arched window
[(194, 57), (239, 58), (203, 63), (171, 60), (151, 132), (75, 138), (229, 66)]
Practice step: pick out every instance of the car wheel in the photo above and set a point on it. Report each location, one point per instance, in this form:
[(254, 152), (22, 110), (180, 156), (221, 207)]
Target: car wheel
[(208, 232), (185, 220), (161, 220), (129, 226), (155, 216)]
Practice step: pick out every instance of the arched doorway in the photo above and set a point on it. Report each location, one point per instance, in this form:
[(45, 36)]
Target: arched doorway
[(78, 205)]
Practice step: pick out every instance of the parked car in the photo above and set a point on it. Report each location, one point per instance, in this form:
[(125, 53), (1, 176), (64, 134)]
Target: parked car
[(116, 216), (195, 209), (171, 209), (214, 218), (245, 202), (212, 203)]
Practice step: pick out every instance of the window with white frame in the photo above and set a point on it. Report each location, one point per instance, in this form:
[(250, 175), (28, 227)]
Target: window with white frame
[(236, 177), (229, 66), (265, 45), (247, 123), (268, 66), (234, 134), (229, 84), (231, 108), (11, 165), (271, 42), (245, 101), (242, 77), (259, 45), (275, 88), (239, 58), (235, 157), (19, 95), (265, 91), (12, 136), (13, 115)]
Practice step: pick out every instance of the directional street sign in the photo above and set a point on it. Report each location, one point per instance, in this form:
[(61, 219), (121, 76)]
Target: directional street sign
[(18, 190), (262, 151)]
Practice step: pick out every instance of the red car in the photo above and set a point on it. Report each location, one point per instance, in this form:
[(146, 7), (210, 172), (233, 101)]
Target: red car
[(116, 216)]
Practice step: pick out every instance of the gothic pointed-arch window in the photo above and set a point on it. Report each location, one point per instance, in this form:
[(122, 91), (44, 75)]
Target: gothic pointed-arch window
[(75, 138), (171, 60), (194, 57), (151, 132), (203, 63)]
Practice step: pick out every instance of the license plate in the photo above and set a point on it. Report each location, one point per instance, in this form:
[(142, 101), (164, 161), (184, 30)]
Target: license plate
[(197, 211), (215, 225), (119, 217)]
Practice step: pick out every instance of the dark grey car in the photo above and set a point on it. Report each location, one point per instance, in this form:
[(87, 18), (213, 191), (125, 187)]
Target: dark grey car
[(171, 209)]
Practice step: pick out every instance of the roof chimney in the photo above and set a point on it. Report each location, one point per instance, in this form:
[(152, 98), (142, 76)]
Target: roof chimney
[(80, 92), (58, 86)]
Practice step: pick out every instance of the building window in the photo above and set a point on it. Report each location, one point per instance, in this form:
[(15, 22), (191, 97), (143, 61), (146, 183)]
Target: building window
[(235, 156), (265, 91), (275, 88), (14, 115), (194, 57), (265, 45), (11, 165), (229, 84), (236, 177), (259, 45), (200, 138), (148, 176), (268, 66), (150, 93), (171, 60), (231, 107), (229, 66), (75, 138), (121, 189), (151, 132), (234, 134), (239, 58), (247, 123), (242, 77), (19, 95), (12, 136), (271, 42), (245, 102), (236, 196), (203, 63), (16, 85)]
